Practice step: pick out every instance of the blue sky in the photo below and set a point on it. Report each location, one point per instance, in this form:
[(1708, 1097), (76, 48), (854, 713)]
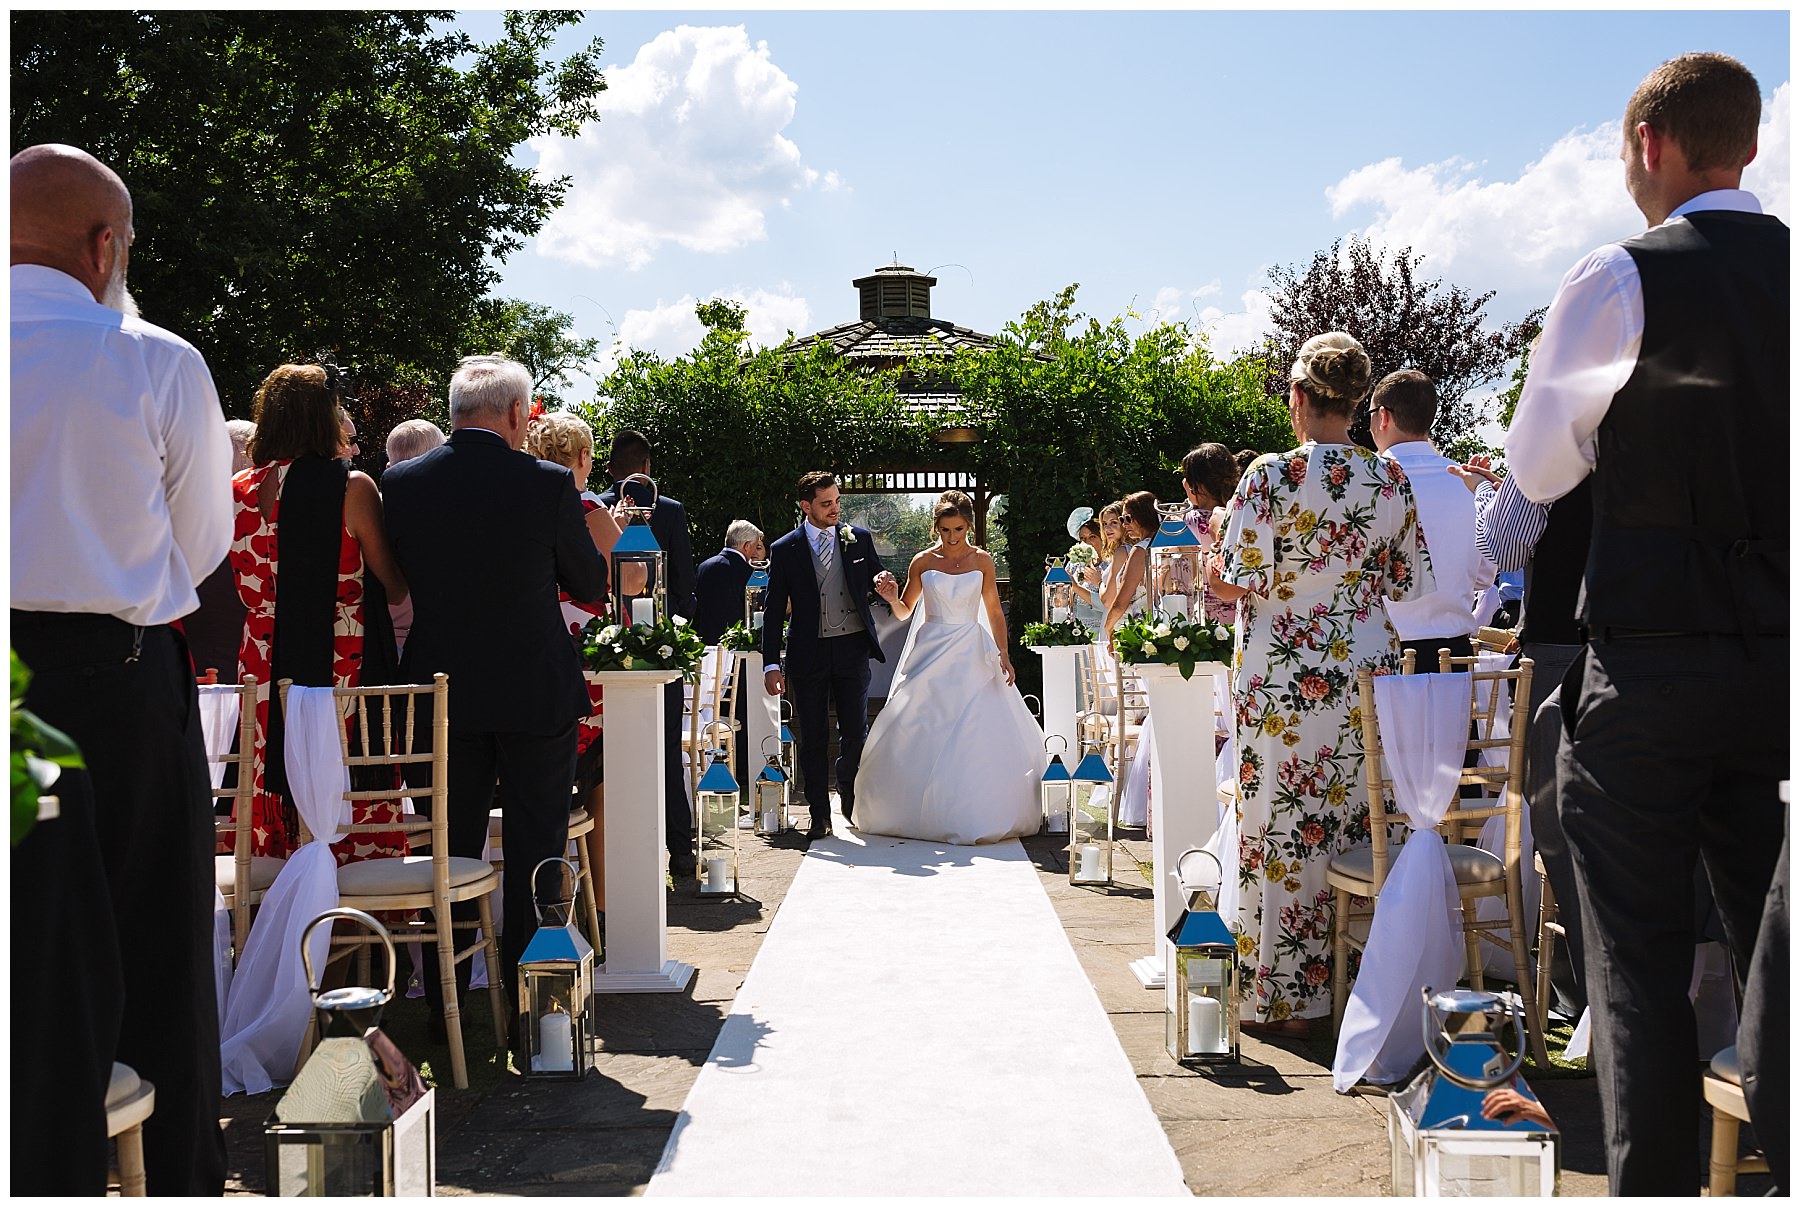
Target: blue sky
[(1162, 159)]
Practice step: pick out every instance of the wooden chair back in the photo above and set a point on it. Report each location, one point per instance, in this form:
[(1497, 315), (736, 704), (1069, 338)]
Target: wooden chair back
[(242, 797)]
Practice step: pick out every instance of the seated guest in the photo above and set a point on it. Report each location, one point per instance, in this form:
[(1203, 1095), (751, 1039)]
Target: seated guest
[(412, 438), (307, 528), (719, 583), (1401, 412)]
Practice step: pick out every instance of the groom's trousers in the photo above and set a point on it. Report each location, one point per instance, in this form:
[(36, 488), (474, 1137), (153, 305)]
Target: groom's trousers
[(840, 680)]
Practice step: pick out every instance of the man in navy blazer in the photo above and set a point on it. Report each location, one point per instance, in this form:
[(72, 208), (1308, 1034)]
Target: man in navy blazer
[(827, 571), (485, 536), (669, 523), (722, 579)]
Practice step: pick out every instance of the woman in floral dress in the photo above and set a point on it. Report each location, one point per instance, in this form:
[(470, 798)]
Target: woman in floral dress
[(1318, 538), (305, 523)]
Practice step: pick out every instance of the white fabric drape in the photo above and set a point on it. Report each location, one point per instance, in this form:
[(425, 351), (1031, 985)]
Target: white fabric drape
[(221, 950), (1415, 937), (265, 1017), (218, 722)]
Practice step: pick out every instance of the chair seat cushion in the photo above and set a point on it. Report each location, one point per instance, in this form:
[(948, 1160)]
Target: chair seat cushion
[(123, 1085), (1724, 1066), (263, 871), (1472, 865), (411, 874)]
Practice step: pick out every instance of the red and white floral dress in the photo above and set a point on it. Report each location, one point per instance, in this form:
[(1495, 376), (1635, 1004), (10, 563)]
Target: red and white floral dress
[(253, 565), (576, 616)]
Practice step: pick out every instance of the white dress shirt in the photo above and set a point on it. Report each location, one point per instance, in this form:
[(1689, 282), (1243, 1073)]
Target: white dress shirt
[(1447, 519), (121, 465), (1587, 352)]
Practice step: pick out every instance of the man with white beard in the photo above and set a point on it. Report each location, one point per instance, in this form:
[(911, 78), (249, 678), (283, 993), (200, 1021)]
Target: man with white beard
[(121, 504)]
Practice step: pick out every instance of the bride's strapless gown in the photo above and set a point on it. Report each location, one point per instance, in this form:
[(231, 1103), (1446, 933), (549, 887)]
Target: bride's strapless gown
[(955, 756)]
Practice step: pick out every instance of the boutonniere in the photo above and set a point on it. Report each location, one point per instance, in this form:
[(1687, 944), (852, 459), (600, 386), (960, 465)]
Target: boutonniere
[(847, 534)]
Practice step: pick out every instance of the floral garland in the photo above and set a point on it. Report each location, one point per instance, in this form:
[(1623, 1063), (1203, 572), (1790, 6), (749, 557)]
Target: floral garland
[(1062, 632), (1178, 642), (663, 646)]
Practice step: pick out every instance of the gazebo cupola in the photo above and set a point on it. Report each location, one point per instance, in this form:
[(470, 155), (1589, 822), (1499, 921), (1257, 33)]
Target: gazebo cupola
[(895, 291)]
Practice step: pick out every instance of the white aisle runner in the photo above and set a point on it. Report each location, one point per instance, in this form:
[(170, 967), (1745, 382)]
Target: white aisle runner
[(916, 1024)]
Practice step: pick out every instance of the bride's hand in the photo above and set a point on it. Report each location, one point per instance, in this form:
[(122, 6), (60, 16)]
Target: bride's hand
[(1007, 670)]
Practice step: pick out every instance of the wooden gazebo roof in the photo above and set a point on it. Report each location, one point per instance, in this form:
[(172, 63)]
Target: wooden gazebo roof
[(896, 326)]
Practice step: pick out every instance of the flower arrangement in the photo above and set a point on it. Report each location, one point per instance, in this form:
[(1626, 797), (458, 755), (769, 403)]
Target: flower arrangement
[(1178, 642), (663, 646), (741, 636), (39, 753), (1081, 555), (1062, 632)]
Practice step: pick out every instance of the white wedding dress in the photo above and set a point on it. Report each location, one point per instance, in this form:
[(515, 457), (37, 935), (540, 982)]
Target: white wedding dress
[(955, 756)]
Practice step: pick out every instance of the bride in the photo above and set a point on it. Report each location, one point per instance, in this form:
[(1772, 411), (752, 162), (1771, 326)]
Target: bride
[(954, 756)]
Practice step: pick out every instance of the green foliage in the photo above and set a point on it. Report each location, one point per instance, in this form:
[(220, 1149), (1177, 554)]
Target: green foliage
[(1403, 320), (1062, 632), (306, 179), (663, 646), (39, 753), (538, 337), (1508, 399), (740, 637), (1177, 642)]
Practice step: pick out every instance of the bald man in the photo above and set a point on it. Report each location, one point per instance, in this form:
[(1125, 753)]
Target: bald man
[(121, 504)]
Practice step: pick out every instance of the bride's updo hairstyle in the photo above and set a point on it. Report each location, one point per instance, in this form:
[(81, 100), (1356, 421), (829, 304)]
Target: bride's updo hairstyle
[(953, 502), (1333, 372)]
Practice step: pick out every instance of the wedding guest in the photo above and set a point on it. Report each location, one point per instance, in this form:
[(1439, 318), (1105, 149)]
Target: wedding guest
[(1243, 459), (1401, 412), (1112, 535), (241, 430), (307, 527), (486, 536), (1088, 608), (112, 926), (719, 585), (1320, 537), (412, 438), (1209, 475), (630, 455), (1138, 525), (1675, 735), (215, 628)]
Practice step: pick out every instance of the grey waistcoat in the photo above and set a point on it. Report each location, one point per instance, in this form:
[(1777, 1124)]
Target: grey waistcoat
[(838, 616)]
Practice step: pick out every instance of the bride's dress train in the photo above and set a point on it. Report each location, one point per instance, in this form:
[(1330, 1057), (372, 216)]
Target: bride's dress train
[(955, 756)]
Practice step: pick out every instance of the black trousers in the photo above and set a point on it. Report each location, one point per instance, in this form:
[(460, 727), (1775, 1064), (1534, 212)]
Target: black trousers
[(1763, 1030), (840, 680), (1550, 664), (1672, 751), (138, 725), (678, 807), (535, 773)]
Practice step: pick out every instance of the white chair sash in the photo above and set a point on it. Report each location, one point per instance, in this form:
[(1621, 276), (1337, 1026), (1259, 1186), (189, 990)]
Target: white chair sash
[(1415, 937), (266, 1012), (221, 950), (1134, 792), (218, 722)]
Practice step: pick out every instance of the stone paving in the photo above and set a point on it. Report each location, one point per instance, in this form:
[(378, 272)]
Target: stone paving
[(1273, 1127)]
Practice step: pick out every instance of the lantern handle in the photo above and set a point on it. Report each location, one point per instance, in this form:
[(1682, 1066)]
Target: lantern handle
[(1034, 704), (354, 915), (706, 731), (1058, 737), (775, 755), (1428, 1020), (537, 907), (1182, 880)]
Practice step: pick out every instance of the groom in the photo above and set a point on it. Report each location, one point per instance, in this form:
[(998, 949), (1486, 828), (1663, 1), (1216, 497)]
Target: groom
[(826, 571)]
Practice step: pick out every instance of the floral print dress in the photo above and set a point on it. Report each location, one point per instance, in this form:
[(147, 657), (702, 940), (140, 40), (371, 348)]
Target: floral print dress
[(253, 562), (1320, 537)]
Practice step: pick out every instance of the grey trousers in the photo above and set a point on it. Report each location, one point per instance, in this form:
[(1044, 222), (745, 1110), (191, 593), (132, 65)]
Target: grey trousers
[(1549, 664)]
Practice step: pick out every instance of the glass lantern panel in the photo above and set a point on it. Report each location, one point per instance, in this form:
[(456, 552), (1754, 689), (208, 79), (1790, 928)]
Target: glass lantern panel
[(1090, 834), (769, 800), (552, 1007), (1493, 1166), (1055, 798), (340, 1162), (1206, 1028), (718, 842), (415, 1161)]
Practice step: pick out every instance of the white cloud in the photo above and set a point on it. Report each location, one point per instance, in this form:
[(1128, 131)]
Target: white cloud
[(688, 151), (1173, 303), (673, 330), (1229, 333), (1519, 236)]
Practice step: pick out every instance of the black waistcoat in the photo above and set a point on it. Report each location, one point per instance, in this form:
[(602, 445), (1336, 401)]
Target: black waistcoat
[(1553, 576), (1691, 461)]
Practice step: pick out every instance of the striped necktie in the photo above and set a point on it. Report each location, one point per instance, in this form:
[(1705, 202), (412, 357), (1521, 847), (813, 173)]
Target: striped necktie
[(826, 548)]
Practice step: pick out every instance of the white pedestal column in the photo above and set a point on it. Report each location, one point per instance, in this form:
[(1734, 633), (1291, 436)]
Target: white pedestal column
[(1184, 781), (1060, 674), (637, 907)]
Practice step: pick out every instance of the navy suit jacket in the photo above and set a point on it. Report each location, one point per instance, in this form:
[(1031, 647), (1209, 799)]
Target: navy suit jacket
[(669, 524), (485, 536), (719, 586), (791, 580)]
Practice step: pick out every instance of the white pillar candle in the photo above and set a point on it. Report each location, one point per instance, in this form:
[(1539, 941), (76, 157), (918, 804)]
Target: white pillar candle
[(715, 875), (1090, 862), (1204, 1032), (1058, 615), (643, 611), (756, 621), (556, 1044), (771, 821), (1174, 606)]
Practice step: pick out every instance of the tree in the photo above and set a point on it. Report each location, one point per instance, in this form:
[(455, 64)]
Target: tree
[(538, 337), (1404, 321), (309, 179)]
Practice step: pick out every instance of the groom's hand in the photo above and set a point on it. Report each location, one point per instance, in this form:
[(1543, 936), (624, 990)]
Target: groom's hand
[(887, 586), (773, 682)]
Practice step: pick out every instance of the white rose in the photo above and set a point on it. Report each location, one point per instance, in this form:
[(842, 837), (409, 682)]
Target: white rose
[(1221, 633), (609, 633), (663, 651), (1149, 647), (1181, 643), (627, 662)]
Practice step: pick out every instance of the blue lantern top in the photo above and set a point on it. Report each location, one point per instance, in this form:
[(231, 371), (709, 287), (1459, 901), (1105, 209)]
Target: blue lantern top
[(718, 778), (556, 944), (758, 578), (1056, 773), (1173, 534), (637, 538), (1093, 770), (786, 734), (1057, 574), (1448, 1105), (772, 774), (1201, 928)]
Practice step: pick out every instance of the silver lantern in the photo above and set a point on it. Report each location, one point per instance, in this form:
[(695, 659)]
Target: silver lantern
[(1091, 822), (1175, 579), (769, 794), (1202, 978), (1058, 591), (1056, 789), (716, 799), (357, 1119), (637, 549), (1441, 1145), (556, 989), (756, 591)]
